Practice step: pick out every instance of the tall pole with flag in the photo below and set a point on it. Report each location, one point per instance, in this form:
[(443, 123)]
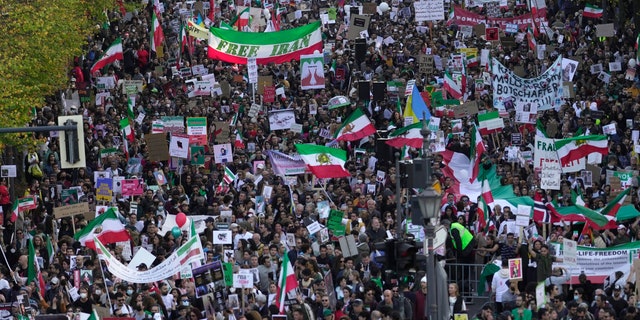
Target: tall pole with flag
[(286, 283)]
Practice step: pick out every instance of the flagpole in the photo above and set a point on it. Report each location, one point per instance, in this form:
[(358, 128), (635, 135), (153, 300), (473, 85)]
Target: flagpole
[(105, 281), (4, 255), (326, 193)]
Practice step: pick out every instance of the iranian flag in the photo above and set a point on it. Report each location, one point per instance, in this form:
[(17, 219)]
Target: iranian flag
[(484, 215), (22, 204), (324, 162), (489, 123), (33, 269), (286, 283), (228, 177), (591, 11), (472, 60), (108, 228), (477, 149), (113, 53), (355, 127), (125, 126), (531, 39), (131, 103), (406, 136), (452, 87), (277, 47), (50, 249), (540, 130), (157, 35), (243, 19), (183, 43), (576, 148), (239, 143), (610, 211)]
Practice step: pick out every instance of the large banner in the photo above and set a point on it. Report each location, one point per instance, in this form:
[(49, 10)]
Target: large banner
[(286, 165), (277, 47), (543, 92), (467, 18), (189, 252), (312, 71), (601, 262)]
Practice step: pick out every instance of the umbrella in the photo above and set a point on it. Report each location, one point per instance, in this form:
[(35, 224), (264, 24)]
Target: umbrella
[(338, 101)]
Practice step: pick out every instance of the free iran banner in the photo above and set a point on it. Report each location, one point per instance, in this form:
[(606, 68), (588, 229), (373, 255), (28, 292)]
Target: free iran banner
[(277, 47), (542, 93)]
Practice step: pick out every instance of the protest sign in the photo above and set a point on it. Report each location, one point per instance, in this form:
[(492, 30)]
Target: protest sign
[(334, 224), (429, 10), (542, 91), (312, 71)]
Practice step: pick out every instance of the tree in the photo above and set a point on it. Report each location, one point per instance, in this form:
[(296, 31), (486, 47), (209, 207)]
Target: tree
[(38, 40)]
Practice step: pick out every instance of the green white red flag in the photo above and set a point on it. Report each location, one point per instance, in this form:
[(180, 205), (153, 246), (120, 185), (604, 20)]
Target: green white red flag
[(112, 54), (157, 35), (324, 162), (591, 11), (286, 283), (33, 269), (355, 127), (406, 136), (107, 227), (576, 148)]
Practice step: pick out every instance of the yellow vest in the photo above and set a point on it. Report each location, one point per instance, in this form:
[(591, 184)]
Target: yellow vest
[(465, 235)]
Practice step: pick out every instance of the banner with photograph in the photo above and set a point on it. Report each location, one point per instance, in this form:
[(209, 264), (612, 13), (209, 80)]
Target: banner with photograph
[(312, 71), (281, 119), (285, 165), (544, 91)]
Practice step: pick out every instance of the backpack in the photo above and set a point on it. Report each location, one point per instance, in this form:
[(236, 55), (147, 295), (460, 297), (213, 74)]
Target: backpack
[(35, 171)]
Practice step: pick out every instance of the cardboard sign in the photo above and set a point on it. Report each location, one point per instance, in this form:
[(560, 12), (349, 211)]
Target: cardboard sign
[(605, 30), (158, 147), (71, 210), (466, 109), (425, 64), (357, 24)]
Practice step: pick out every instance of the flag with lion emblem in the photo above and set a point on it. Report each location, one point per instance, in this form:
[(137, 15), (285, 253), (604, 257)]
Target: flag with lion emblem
[(324, 162), (355, 127), (312, 71)]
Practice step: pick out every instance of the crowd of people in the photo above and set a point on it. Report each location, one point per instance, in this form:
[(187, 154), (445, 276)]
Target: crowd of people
[(332, 285)]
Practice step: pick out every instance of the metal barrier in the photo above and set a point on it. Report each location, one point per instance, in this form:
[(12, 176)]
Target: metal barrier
[(467, 276)]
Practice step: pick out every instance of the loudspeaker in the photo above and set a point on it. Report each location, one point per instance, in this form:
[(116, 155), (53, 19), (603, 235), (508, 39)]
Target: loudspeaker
[(361, 51), (379, 91), (417, 174), (364, 90), (384, 152)]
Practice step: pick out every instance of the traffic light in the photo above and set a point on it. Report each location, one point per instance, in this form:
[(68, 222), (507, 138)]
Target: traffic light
[(387, 254), (407, 257), (72, 153)]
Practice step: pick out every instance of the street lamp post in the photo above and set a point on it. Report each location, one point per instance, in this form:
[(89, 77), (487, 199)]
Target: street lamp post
[(429, 202)]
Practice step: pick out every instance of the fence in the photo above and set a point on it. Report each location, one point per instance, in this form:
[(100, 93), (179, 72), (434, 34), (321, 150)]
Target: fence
[(467, 276)]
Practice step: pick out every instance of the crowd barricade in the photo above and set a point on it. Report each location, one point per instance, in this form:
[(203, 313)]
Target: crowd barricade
[(467, 276)]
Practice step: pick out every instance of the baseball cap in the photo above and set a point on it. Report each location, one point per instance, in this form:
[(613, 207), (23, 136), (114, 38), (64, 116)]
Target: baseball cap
[(617, 287)]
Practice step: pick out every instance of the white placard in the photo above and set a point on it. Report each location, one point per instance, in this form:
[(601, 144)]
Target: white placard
[(522, 215), (429, 10), (314, 227), (252, 70), (243, 280), (222, 237), (8, 171), (570, 251)]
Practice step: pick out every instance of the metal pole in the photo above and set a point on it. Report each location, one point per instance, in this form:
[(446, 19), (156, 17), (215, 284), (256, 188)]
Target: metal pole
[(399, 219), (38, 129), (431, 305)]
